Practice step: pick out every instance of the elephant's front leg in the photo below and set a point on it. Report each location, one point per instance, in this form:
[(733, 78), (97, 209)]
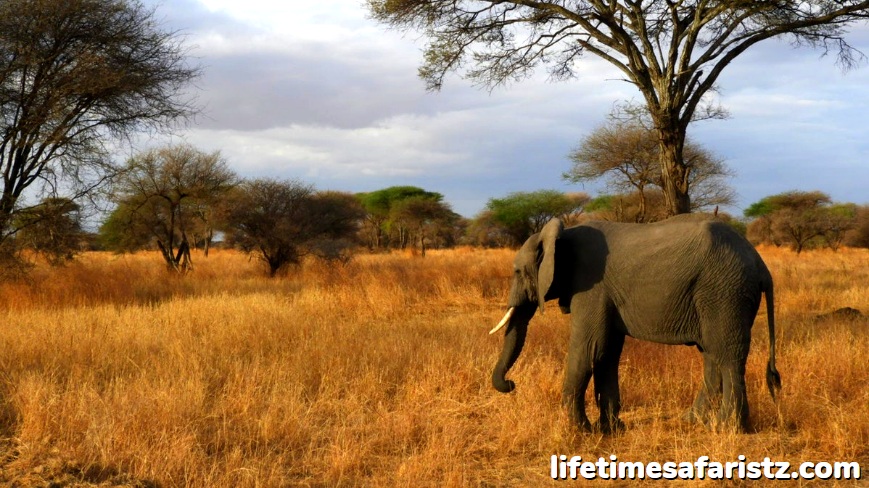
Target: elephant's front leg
[(589, 333), (576, 382), (606, 382), (576, 378)]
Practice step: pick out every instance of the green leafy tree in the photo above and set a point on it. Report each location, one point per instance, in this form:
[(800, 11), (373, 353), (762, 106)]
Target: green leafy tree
[(386, 222), (524, 213), (126, 230), (673, 52), (791, 199), (425, 217), (76, 79), (600, 203), (858, 235)]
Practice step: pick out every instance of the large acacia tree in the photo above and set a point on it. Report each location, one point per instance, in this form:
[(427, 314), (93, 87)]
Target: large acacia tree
[(77, 76), (673, 51)]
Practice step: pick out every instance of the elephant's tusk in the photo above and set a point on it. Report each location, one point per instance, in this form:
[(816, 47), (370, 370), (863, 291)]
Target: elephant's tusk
[(504, 320)]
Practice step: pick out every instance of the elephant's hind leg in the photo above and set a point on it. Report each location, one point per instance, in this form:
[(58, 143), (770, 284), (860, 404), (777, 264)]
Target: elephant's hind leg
[(735, 400), (709, 396)]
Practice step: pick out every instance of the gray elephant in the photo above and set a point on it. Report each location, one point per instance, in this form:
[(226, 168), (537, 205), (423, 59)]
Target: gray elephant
[(688, 280)]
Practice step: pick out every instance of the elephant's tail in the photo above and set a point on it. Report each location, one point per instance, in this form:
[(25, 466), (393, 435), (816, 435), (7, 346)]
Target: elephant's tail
[(773, 378)]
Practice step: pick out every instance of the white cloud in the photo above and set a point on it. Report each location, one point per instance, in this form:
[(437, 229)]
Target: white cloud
[(317, 90), (763, 103)]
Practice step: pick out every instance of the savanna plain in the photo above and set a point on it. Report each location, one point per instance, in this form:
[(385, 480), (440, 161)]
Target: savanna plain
[(376, 373)]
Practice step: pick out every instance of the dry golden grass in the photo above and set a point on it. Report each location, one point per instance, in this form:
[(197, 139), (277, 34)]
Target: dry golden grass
[(377, 374)]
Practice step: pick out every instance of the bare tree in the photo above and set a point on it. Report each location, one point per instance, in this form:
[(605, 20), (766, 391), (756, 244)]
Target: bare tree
[(626, 207), (837, 221), (485, 231), (858, 236), (707, 178), (673, 51), (165, 190), (625, 153), (76, 75), (797, 226), (52, 228)]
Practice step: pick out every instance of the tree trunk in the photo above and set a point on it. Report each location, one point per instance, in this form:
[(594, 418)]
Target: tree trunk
[(179, 260), (209, 235), (7, 207), (674, 173), (167, 255), (182, 260)]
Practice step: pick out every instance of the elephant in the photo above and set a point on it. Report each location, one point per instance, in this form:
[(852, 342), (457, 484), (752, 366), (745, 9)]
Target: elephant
[(690, 280)]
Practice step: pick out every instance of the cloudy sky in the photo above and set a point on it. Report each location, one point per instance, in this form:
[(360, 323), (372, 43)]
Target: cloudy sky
[(316, 90)]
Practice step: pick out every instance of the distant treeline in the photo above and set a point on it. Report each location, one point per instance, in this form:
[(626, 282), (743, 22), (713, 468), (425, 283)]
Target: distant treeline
[(177, 198)]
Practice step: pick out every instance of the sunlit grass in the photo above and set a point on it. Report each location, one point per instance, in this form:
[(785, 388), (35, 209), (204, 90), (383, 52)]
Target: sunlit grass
[(377, 373)]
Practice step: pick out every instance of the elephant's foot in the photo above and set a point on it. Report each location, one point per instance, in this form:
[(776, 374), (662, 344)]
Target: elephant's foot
[(702, 411), (576, 412), (583, 424), (609, 427), (715, 423), (694, 417), (726, 427), (730, 424)]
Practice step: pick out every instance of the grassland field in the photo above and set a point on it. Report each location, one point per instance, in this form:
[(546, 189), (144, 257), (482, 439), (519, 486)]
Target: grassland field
[(114, 372)]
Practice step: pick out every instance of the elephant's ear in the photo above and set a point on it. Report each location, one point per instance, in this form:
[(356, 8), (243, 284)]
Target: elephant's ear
[(546, 270)]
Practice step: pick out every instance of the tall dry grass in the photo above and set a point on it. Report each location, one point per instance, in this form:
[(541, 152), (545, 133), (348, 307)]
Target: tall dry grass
[(377, 374)]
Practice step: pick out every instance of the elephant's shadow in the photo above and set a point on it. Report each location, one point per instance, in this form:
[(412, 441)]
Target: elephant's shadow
[(583, 260)]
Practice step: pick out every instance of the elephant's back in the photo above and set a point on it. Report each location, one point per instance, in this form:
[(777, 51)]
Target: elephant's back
[(669, 237), (655, 274)]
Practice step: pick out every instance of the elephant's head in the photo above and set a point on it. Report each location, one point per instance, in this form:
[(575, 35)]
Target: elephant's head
[(534, 281)]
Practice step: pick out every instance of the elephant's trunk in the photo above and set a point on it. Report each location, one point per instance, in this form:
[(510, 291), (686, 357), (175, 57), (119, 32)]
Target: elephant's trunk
[(514, 339)]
